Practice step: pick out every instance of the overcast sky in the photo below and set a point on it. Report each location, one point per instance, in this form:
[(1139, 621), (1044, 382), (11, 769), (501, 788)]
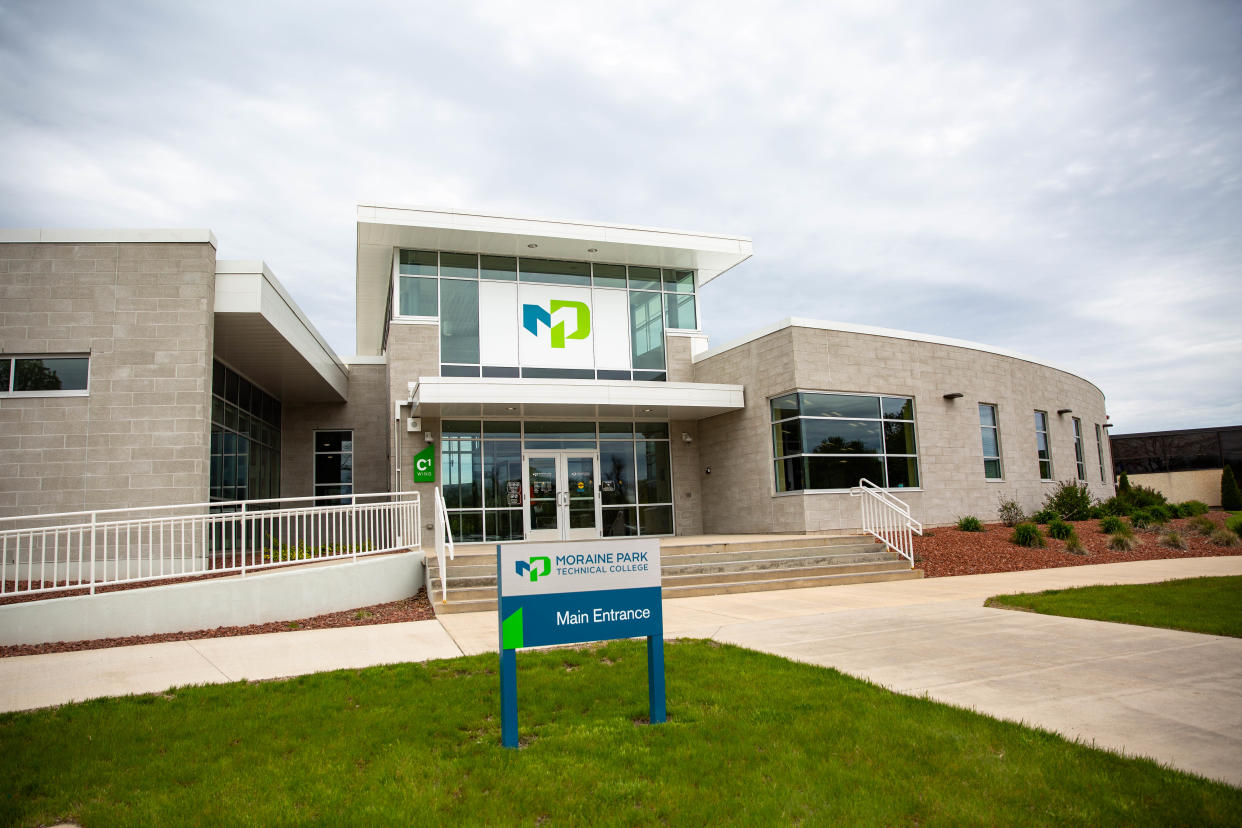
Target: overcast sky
[(1059, 179)]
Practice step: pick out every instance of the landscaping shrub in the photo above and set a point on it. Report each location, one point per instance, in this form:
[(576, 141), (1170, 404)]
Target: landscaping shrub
[(970, 523), (1060, 530), (1027, 534), (1151, 516), (1115, 506), (1160, 514), (1074, 546), (1204, 525), (1121, 543), (1230, 495), (1123, 485), (1192, 508), (1070, 500), (1224, 537), (1112, 524), (1010, 513), (1044, 516), (1233, 524), (1096, 512), (1172, 540)]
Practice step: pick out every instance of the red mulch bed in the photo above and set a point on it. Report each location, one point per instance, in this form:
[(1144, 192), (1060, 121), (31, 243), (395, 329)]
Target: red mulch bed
[(415, 608), (946, 551)]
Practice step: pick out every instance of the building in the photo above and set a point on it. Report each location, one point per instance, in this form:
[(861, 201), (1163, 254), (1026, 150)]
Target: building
[(1183, 465), (550, 377)]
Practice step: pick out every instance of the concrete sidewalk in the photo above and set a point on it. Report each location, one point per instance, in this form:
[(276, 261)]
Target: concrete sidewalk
[(1174, 696)]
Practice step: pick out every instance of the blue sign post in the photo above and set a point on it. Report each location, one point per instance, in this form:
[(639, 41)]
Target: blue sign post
[(566, 593)]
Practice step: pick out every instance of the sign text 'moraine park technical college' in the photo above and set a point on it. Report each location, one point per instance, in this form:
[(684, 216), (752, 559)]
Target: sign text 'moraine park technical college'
[(571, 592)]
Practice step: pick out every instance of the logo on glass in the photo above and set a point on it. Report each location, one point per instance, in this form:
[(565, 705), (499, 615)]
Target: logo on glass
[(532, 315)]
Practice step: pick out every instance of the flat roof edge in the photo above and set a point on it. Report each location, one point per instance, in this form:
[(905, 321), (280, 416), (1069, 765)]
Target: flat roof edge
[(891, 333), (55, 235)]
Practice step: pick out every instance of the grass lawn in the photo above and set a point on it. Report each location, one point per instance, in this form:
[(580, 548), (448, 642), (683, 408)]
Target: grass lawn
[(751, 739), (1203, 605)]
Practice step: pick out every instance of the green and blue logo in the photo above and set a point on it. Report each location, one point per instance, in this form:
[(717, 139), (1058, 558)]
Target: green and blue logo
[(533, 315), (537, 567)]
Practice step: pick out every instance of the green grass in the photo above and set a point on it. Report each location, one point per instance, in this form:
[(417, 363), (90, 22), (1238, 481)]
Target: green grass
[(751, 739), (1203, 605)]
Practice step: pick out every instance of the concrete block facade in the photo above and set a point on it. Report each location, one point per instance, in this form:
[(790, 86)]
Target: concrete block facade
[(739, 495), (143, 314)]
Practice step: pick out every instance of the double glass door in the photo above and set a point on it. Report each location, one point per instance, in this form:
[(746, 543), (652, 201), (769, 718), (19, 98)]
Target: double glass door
[(562, 498)]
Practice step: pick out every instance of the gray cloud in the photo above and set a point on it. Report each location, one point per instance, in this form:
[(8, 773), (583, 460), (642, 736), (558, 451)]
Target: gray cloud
[(1061, 179)]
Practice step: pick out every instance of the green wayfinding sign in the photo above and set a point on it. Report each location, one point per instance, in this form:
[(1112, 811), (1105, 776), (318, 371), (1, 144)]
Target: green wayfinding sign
[(425, 465), (565, 593)]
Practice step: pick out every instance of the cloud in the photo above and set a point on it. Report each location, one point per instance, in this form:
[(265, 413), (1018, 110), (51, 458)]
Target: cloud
[(1057, 178)]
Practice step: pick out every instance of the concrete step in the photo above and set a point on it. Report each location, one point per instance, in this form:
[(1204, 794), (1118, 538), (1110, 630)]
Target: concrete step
[(734, 577), (808, 542), (790, 583), (741, 559), (455, 605)]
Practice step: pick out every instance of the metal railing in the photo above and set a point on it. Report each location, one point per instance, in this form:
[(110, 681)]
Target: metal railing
[(887, 518), (86, 550), (444, 539)]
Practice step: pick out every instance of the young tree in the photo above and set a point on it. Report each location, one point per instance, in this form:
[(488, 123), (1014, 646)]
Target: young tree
[(1230, 496)]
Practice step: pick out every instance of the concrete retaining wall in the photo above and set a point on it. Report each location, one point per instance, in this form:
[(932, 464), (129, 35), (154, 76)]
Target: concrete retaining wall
[(300, 592)]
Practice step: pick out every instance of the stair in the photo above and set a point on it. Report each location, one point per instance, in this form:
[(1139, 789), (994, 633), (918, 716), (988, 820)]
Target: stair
[(709, 568)]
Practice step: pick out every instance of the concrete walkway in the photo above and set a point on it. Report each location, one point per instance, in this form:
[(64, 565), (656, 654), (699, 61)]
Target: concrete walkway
[(1173, 696)]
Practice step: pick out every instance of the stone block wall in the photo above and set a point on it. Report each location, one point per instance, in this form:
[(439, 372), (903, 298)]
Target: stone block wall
[(143, 313)]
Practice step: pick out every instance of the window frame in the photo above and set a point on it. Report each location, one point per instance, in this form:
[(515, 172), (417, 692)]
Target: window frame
[(8, 393), (1080, 450), (998, 457), (1099, 447), (315, 452), (883, 456), (1051, 476)]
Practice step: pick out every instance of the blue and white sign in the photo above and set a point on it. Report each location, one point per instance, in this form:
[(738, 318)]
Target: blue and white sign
[(571, 592)]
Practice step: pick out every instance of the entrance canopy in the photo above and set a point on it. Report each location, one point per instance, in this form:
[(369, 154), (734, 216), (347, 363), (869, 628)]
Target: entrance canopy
[(585, 399)]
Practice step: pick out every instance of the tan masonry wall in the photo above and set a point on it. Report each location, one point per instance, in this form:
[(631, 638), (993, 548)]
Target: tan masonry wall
[(739, 494), (144, 314), (1178, 486)]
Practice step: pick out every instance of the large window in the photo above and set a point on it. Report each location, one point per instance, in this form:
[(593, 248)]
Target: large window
[(1099, 448), (445, 286), (44, 376), (829, 441), (1042, 445), (1079, 451), (481, 464), (245, 438), (334, 464), (989, 428)]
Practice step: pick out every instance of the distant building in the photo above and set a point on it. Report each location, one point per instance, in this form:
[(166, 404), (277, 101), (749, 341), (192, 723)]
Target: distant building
[(1184, 464)]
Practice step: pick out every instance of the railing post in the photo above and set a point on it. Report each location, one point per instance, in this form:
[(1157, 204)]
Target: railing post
[(244, 543), (92, 553), (353, 515)]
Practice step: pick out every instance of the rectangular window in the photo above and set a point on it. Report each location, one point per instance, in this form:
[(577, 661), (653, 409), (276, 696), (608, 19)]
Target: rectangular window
[(334, 464), (417, 296), (825, 441), (44, 376), (989, 427), (1079, 452), (459, 322), (1099, 447), (646, 330), (245, 438), (1042, 445)]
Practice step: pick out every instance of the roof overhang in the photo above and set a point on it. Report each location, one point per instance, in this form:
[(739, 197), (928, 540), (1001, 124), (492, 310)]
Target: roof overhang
[(383, 228), (470, 397), (263, 334)]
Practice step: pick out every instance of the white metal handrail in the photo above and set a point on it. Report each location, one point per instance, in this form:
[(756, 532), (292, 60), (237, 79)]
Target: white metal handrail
[(85, 550), (444, 539), (887, 518)]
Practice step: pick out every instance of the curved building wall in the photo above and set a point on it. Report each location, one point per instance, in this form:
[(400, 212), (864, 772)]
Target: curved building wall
[(739, 494)]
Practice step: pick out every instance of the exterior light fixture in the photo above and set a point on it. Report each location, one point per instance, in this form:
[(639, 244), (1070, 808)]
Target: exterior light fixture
[(532, 245), (646, 410), (592, 249), (1061, 412), (953, 396), (686, 438), (1108, 425)]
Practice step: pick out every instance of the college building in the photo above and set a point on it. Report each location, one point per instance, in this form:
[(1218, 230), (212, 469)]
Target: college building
[(551, 378)]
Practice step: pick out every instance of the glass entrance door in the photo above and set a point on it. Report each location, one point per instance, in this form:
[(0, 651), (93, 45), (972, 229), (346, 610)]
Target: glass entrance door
[(562, 500)]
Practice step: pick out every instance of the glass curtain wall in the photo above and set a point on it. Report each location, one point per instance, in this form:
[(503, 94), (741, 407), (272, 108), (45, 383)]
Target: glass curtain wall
[(245, 438), (481, 473), (445, 286), (828, 441)]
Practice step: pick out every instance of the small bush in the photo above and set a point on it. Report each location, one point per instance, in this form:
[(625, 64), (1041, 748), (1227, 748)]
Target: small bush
[(1070, 500), (1172, 540), (1204, 525), (970, 523), (1149, 517), (1074, 546), (1010, 513), (1123, 485), (1096, 512), (1121, 543), (1160, 514), (1233, 524), (1112, 524), (1230, 495), (1060, 530), (1027, 534), (1192, 508), (1115, 506), (1224, 537), (1044, 516)]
